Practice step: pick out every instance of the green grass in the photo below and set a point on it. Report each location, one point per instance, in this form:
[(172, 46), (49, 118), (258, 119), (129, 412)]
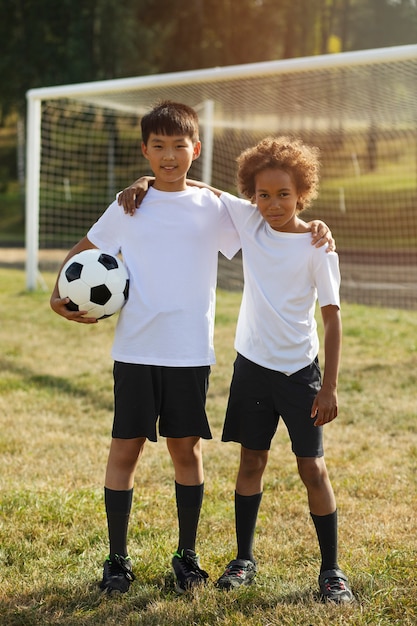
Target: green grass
[(55, 420)]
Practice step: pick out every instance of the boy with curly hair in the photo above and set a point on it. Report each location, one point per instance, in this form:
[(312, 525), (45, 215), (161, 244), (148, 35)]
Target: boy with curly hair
[(276, 372)]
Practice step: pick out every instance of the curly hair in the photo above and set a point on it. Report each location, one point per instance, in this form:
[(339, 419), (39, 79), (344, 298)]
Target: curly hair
[(292, 155)]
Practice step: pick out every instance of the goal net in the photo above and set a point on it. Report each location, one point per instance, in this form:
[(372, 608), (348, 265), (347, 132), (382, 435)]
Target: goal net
[(359, 107)]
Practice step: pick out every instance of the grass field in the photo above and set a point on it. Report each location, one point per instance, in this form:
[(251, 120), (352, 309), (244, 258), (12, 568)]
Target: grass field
[(55, 419)]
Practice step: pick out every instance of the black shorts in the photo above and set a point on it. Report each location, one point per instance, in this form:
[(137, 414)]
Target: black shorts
[(260, 396), (177, 395)]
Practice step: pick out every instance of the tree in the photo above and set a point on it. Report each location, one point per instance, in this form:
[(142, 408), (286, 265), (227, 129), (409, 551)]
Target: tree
[(45, 42), (380, 23), (49, 43)]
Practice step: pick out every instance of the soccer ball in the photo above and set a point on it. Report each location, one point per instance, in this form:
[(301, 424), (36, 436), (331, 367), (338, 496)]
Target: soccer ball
[(94, 281)]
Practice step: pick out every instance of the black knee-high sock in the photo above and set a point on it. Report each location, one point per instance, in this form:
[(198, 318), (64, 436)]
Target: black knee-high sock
[(326, 529), (189, 500), (118, 506), (246, 514)]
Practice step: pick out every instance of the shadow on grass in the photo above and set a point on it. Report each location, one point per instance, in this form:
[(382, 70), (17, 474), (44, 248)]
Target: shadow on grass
[(82, 606), (55, 385), (85, 605)]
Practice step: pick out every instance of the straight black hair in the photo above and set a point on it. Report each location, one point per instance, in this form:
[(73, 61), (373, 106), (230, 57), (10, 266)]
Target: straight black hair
[(170, 118)]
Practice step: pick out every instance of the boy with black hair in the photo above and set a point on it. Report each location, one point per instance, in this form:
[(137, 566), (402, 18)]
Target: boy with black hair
[(163, 345)]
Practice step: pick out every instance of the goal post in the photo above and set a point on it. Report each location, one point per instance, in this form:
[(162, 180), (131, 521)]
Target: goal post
[(83, 145), (33, 170)]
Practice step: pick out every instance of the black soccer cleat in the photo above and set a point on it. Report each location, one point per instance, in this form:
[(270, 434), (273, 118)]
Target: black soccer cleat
[(187, 570), (238, 573), (334, 587), (117, 574)]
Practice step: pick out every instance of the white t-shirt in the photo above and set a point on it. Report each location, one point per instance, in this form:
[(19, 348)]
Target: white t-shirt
[(170, 247), (284, 276)]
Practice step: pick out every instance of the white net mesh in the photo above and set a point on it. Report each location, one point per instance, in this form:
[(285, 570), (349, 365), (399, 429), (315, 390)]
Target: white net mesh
[(363, 116)]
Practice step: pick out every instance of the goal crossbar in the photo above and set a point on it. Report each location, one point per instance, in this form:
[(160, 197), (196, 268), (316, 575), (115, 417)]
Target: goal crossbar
[(265, 68)]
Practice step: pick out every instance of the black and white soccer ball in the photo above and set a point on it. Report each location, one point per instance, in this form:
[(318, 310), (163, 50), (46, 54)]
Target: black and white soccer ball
[(94, 281)]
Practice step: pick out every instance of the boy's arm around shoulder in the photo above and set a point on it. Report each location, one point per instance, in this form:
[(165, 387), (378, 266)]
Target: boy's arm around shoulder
[(57, 303), (321, 234), (197, 183), (325, 405), (131, 197)]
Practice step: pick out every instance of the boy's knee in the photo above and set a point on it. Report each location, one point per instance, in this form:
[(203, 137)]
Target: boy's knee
[(185, 450), (253, 461), (313, 471), (126, 451)]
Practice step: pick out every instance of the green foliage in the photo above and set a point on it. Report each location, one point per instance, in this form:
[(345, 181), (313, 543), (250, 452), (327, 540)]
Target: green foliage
[(45, 42), (55, 420), (66, 42), (377, 23)]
